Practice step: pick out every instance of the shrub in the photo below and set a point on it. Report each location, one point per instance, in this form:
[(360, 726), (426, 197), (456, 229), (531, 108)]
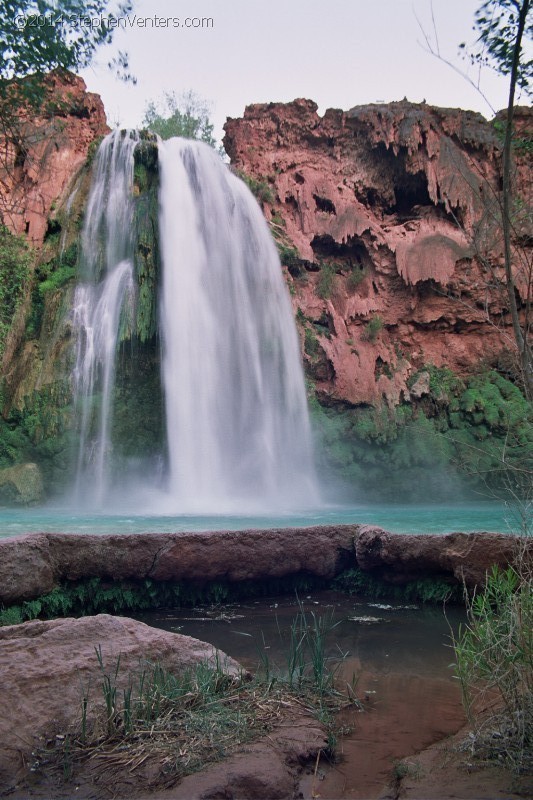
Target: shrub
[(326, 281), (311, 343), (15, 261), (356, 276), (259, 187), (494, 658), (372, 328)]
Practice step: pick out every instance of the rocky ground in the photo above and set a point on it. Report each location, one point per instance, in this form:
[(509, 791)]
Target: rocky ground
[(446, 771), (48, 667)]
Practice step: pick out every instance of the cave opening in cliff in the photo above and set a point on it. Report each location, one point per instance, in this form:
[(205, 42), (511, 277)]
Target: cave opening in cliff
[(410, 192), (349, 257), (324, 204)]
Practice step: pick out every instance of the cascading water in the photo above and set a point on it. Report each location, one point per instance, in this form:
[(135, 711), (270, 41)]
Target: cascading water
[(237, 428), (102, 304), (236, 410)]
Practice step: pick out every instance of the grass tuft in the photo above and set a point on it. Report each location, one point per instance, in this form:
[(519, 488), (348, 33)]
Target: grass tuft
[(176, 724), (494, 664)]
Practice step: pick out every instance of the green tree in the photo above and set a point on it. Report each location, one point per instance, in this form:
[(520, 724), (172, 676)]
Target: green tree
[(186, 115), (37, 36), (502, 26)]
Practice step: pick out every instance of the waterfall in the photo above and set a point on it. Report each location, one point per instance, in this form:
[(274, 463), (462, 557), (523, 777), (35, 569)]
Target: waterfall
[(236, 420), (236, 410), (103, 304)]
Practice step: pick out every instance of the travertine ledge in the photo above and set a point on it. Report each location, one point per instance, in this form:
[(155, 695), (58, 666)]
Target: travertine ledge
[(34, 564)]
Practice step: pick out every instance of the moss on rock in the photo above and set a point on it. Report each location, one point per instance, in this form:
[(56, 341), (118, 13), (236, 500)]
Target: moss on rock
[(21, 485), (465, 433)]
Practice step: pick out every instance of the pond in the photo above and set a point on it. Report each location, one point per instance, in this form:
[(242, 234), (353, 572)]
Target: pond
[(431, 518), (398, 658)]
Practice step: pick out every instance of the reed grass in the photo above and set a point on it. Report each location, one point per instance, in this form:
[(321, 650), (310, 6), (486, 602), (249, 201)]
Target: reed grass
[(494, 664), (187, 720)]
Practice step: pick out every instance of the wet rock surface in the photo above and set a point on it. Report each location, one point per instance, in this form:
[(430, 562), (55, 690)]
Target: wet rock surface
[(21, 485)]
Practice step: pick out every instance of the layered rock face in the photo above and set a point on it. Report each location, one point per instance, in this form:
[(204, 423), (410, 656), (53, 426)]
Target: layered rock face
[(37, 172), (386, 217)]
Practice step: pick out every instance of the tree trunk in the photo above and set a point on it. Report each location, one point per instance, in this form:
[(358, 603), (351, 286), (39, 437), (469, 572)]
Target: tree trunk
[(524, 350)]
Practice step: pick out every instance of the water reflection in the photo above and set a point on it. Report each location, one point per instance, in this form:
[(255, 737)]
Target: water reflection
[(400, 656)]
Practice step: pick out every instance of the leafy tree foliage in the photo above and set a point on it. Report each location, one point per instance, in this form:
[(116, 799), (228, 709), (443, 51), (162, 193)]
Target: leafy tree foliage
[(37, 36), (186, 115), (502, 24)]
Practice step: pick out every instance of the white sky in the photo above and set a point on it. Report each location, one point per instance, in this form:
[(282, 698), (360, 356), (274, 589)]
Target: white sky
[(340, 53)]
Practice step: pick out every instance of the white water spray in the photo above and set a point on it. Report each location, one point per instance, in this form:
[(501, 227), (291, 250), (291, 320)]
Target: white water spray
[(236, 412), (103, 304), (237, 428)]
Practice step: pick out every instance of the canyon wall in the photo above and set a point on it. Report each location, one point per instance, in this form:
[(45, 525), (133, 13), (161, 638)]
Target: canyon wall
[(45, 172), (43, 156), (388, 229), (386, 221), (388, 225)]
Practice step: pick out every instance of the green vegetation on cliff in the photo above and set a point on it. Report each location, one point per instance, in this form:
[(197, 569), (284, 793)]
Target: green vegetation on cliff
[(50, 276), (146, 224), (478, 432), (41, 432), (15, 262)]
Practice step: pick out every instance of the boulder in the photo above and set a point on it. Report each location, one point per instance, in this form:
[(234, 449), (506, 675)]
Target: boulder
[(47, 668), (21, 485), (399, 558)]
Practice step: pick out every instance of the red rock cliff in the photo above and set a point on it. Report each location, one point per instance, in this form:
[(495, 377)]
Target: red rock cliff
[(37, 167), (387, 221)]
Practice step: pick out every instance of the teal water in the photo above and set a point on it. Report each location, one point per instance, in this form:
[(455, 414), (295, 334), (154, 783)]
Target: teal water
[(442, 518)]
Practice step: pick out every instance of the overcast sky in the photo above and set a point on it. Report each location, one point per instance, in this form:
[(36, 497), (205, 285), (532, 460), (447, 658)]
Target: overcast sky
[(340, 53)]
